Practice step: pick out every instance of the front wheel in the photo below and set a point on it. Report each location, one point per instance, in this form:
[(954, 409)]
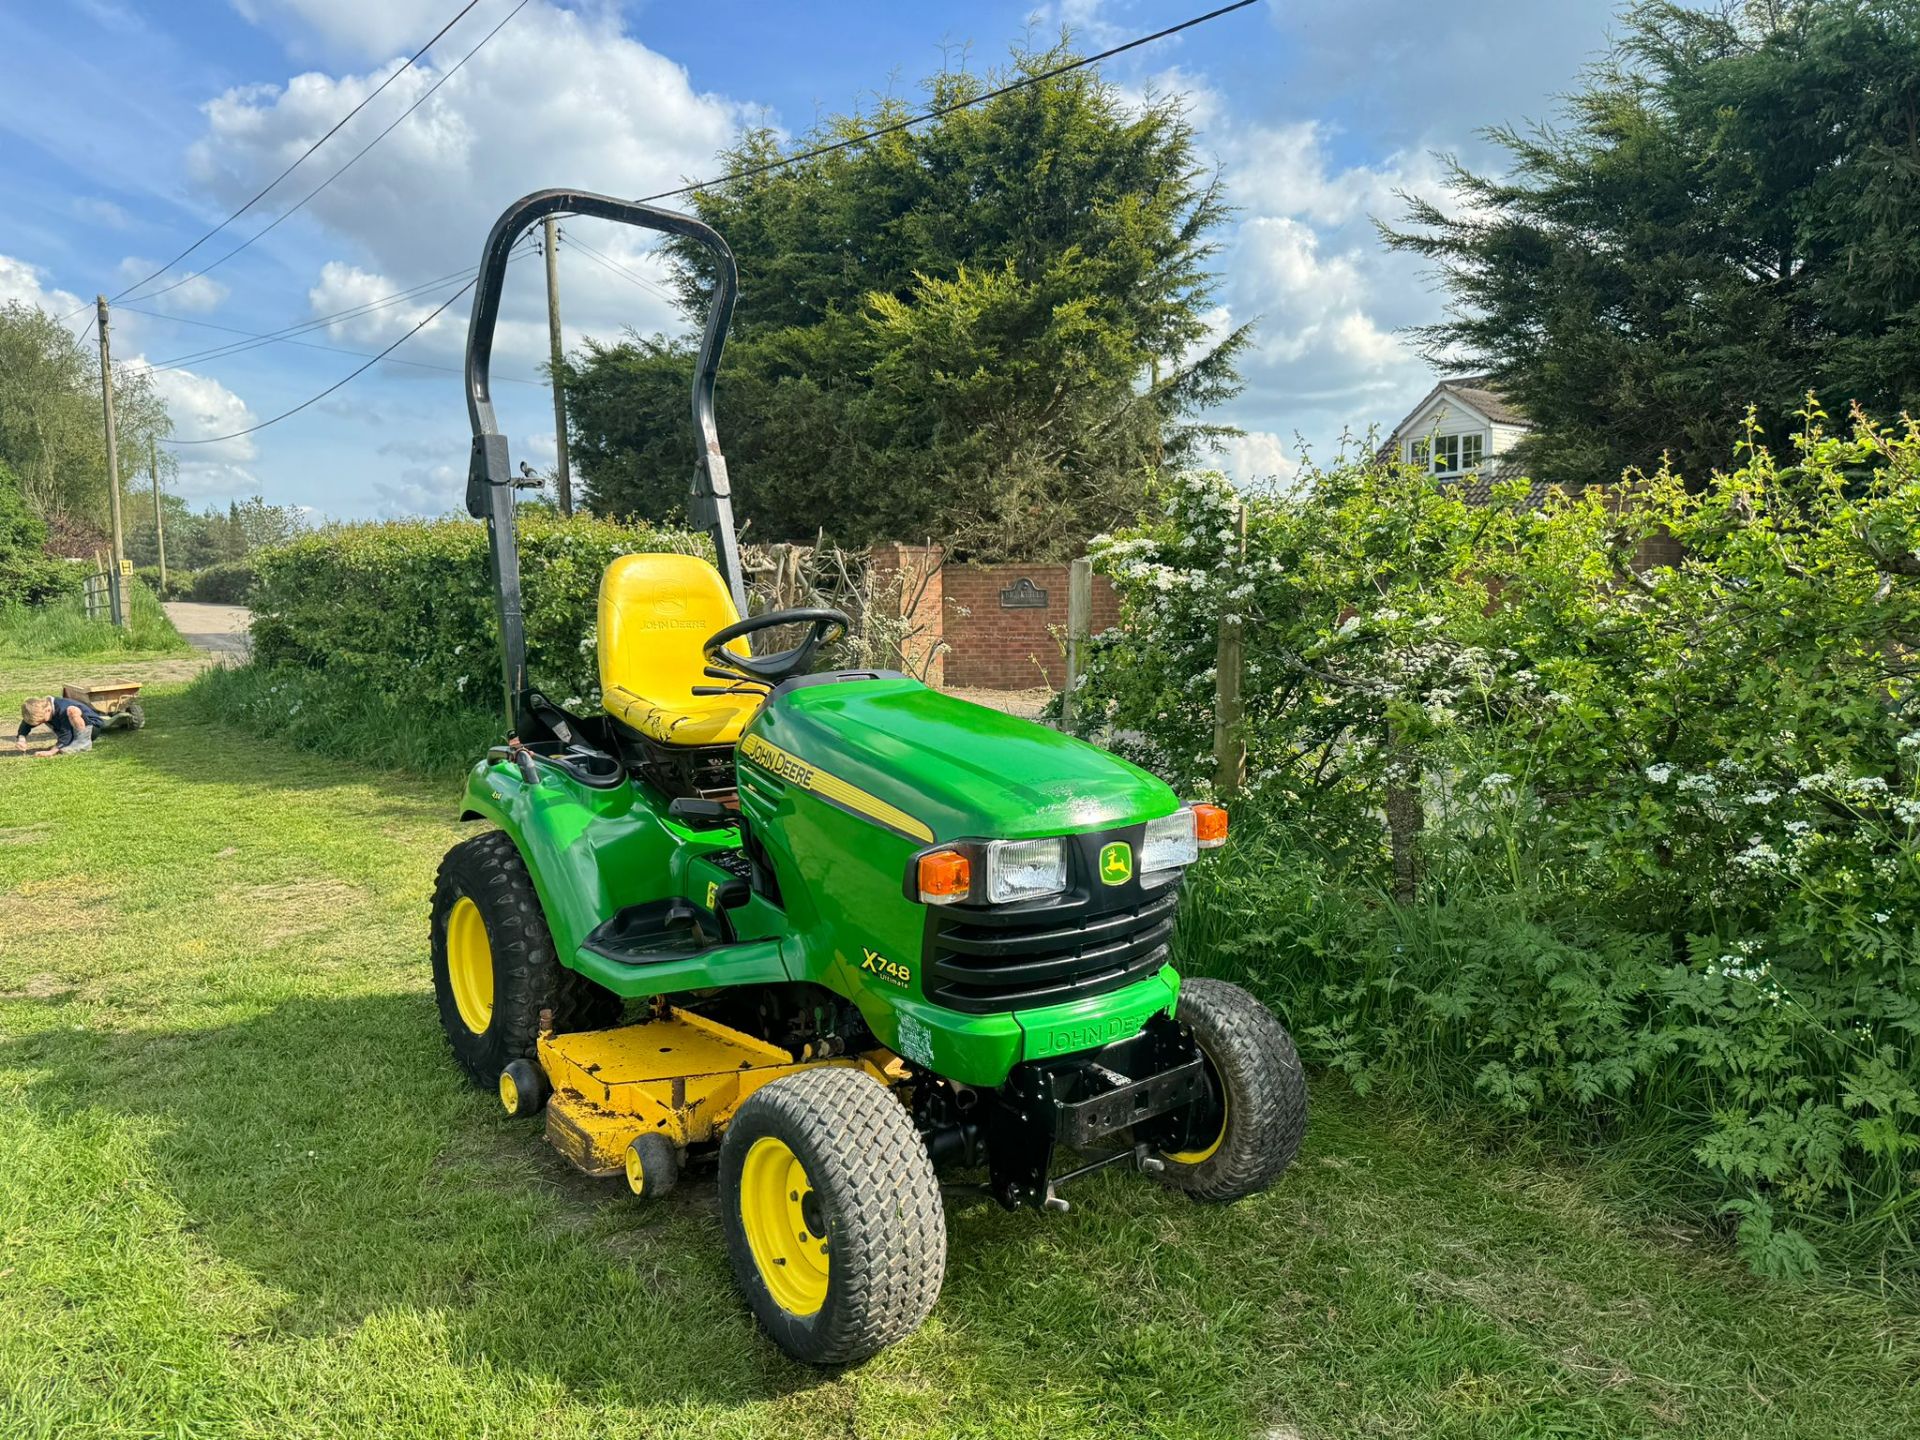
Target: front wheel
[(833, 1216), (1251, 1126)]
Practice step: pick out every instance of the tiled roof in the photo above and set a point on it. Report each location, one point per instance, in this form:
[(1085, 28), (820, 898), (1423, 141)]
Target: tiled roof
[(1477, 488), (1478, 391)]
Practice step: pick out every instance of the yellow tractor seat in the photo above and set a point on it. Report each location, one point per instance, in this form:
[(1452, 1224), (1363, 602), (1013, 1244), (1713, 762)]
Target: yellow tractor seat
[(656, 612)]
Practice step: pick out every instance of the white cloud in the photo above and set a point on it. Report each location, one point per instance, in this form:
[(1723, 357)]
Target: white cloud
[(97, 211), (202, 407), (562, 97), (421, 490), (1256, 458), (193, 292), (363, 27), (25, 282)]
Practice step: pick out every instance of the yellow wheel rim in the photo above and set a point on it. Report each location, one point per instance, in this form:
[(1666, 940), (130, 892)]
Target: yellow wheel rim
[(509, 1093), (636, 1172), (470, 966), (780, 1212), (1201, 1156)]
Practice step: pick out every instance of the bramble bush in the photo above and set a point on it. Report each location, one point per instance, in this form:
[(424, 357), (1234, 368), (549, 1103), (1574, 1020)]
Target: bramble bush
[(1660, 884), (406, 609)]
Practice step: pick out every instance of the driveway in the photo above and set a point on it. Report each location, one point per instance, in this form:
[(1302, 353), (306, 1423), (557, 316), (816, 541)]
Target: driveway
[(220, 630)]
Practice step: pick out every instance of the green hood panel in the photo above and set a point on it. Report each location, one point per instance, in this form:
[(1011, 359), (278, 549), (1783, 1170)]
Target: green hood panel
[(959, 769)]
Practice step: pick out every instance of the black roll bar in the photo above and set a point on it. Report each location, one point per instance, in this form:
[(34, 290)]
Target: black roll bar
[(490, 483)]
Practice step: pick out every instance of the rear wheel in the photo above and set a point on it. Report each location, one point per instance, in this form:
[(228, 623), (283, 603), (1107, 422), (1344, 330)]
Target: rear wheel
[(494, 967), (833, 1215), (1251, 1126)]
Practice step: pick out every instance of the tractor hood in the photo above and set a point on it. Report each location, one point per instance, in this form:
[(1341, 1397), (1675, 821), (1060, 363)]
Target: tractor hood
[(950, 768)]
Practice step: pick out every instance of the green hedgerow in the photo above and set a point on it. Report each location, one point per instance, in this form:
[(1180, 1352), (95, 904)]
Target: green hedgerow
[(1662, 870), (407, 609)]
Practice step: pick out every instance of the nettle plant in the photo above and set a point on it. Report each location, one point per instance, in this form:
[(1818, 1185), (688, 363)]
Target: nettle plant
[(1623, 847)]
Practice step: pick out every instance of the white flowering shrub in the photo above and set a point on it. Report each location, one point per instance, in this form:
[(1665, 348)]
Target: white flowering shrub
[(1669, 867)]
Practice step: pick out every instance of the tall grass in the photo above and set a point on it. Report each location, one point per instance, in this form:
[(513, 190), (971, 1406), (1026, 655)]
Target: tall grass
[(60, 628), (347, 718)]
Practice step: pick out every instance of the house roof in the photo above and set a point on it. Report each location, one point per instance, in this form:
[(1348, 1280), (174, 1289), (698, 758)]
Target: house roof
[(1477, 393)]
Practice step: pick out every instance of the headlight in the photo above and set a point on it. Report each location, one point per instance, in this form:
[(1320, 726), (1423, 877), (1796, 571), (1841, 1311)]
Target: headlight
[(1172, 843), (1025, 869)]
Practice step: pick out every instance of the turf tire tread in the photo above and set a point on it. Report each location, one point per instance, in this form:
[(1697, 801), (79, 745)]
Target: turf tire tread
[(885, 1221), (1267, 1113)]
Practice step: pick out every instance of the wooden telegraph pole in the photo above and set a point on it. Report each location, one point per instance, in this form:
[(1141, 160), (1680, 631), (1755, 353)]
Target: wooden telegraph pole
[(115, 588), (159, 530), (563, 477)]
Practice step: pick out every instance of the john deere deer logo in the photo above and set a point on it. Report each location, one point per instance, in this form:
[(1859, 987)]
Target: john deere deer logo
[(1116, 863)]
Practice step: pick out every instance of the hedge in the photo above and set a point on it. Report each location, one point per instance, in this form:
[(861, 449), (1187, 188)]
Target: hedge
[(407, 609), (1627, 854), (228, 583)]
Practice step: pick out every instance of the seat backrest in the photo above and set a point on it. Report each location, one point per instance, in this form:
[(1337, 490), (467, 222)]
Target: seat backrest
[(656, 611)]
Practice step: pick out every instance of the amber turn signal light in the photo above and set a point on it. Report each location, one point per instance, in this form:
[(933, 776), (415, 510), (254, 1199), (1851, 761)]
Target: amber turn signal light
[(944, 877), (1210, 826)]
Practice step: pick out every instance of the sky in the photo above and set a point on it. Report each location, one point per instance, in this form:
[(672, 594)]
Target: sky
[(130, 127)]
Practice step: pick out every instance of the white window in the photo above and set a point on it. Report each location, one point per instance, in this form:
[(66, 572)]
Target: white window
[(1447, 454)]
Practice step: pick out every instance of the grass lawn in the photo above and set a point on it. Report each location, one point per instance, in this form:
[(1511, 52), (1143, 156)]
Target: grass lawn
[(244, 1192)]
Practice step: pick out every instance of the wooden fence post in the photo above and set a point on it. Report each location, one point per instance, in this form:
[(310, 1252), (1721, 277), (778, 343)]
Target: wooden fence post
[(1079, 627), (1229, 733)]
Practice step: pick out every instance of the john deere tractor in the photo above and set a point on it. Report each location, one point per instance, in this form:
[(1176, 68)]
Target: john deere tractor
[(830, 927)]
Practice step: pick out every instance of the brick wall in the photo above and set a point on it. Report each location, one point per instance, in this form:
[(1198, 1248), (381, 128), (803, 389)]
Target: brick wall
[(992, 645)]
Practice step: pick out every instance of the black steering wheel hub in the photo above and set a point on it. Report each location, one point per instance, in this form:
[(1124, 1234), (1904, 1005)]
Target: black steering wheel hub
[(825, 627)]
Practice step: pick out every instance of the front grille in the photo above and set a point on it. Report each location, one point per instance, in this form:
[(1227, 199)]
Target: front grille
[(1013, 960)]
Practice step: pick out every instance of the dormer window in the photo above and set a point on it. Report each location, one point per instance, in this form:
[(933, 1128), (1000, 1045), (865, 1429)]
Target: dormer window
[(1447, 454)]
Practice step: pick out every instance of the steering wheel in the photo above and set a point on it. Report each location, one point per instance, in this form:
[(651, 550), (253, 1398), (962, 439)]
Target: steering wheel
[(828, 626)]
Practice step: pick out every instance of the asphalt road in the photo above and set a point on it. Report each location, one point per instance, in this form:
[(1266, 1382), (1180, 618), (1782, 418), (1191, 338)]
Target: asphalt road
[(217, 629)]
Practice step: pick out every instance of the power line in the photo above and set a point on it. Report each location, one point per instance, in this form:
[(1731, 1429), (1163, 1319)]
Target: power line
[(350, 375), (609, 264), (938, 112), (262, 194), (291, 210), (305, 344), (217, 352), (943, 110)]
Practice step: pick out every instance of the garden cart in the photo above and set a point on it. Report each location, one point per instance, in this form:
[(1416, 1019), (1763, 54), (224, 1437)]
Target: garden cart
[(831, 927)]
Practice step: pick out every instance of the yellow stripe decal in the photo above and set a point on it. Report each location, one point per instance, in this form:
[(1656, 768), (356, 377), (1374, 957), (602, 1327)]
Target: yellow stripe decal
[(783, 765)]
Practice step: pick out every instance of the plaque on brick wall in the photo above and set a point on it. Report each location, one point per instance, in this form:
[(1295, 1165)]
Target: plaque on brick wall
[(1023, 594)]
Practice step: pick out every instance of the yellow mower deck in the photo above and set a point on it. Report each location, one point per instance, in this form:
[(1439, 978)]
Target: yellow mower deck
[(678, 1075)]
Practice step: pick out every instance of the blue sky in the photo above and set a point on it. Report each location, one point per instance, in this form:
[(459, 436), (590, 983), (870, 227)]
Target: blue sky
[(130, 126)]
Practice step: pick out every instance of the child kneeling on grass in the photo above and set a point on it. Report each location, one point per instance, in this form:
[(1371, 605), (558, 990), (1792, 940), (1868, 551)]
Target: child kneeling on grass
[(74, 723)]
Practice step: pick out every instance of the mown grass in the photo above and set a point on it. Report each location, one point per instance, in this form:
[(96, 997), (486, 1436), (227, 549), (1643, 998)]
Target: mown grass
[(61, 628), (243, 1192)]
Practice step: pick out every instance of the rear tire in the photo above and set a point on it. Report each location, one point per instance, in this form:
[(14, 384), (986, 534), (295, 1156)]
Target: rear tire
[(833, 1215), (1258, 1086), (494, 967)]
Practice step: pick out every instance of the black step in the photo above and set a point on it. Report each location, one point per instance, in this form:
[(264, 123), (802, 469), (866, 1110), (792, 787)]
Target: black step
[(654, 933)]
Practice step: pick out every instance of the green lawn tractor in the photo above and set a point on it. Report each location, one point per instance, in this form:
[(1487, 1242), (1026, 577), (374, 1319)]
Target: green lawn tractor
[(831, 926)]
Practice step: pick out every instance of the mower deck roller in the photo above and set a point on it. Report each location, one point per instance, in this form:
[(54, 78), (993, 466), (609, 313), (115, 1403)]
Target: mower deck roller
[(829, 929)]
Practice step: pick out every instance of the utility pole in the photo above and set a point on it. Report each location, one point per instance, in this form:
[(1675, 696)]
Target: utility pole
[(115, 588), (563, 480), (159, 531)]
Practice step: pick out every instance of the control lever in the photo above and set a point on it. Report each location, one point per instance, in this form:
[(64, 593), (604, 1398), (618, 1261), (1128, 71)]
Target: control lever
[(697, 814)]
